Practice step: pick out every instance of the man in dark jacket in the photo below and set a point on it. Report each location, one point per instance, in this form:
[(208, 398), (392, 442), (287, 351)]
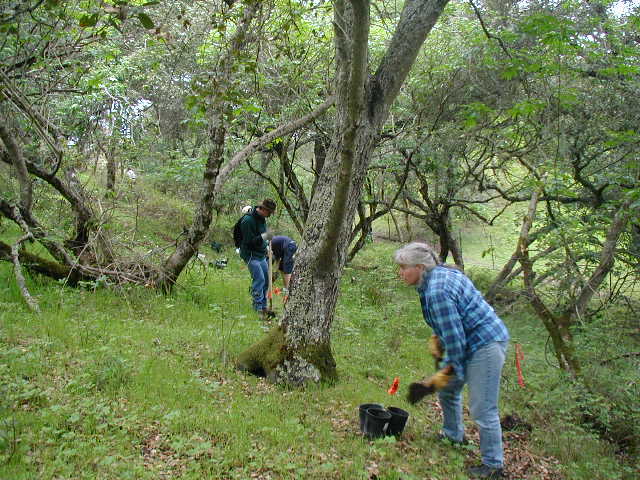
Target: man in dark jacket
[(253, 250)]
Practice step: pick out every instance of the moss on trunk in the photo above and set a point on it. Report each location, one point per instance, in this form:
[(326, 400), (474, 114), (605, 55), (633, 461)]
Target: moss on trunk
[(271, 358), (37, 264), (263, 357)]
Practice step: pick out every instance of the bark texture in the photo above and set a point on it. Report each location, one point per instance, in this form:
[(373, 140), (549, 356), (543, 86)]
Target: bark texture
[(362, 106)]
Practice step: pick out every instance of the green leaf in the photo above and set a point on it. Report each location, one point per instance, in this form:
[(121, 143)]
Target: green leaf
[(146, 21), (510, 72), (89, 20)]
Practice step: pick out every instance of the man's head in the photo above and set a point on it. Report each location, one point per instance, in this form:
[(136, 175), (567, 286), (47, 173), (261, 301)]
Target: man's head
[(267, 207)]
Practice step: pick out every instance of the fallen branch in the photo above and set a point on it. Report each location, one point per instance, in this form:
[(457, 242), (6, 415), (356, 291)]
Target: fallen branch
[(37, 264), (17, 268), (626, 355)]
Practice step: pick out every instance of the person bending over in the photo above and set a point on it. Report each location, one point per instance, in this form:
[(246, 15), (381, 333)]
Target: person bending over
[(470, 343), (284, 250)]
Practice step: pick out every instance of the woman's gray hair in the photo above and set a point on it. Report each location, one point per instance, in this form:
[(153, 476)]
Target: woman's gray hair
[(416, 253)]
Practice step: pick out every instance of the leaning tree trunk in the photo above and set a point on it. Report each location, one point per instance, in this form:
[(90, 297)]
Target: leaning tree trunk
[(215, 173), (559, 325), (188, 245), (214, 178), (299, 350)]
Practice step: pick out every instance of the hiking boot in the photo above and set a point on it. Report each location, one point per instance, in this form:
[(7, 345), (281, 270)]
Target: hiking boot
[(442, 437), (485, 471)]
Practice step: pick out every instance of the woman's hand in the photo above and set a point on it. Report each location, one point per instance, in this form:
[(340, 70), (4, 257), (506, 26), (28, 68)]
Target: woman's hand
[(419, 390)]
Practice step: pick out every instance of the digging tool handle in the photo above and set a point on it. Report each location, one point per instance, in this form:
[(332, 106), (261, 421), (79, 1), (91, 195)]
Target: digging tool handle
[(270, 276)]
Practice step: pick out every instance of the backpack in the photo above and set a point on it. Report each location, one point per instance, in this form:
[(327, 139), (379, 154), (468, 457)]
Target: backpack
[(237, 232)]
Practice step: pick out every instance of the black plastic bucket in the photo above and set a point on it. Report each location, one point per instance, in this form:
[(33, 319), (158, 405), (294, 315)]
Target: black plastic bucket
[(362, 410), (376, 422), (398, 420)]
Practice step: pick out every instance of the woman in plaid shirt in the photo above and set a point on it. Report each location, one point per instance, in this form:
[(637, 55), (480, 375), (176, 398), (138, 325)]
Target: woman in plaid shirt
[(474, 341)]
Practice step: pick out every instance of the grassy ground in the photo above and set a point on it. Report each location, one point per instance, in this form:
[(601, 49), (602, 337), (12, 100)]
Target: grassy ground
[(126, 383)]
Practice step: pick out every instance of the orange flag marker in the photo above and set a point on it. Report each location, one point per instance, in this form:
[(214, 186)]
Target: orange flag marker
[(519, 362), (394, 386)]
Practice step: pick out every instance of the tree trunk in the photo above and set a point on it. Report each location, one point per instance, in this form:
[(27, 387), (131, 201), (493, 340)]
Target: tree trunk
[(448, 243), (396, 225), (456, 252), (557, 327), (111, 171), (215, 173), (362, 106), (188, 245), (193, 237), (407, 219), (320, 148)]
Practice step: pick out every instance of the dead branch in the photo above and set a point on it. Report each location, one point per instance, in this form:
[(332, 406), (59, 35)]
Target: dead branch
[(626, 355), (18, 162), (17, 268)]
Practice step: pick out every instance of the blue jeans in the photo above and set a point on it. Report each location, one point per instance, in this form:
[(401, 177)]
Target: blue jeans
[(483, 377), (259, 269)]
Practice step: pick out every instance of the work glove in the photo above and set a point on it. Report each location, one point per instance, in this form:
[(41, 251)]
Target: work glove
[(268, 235), (439, 380), (435, 349)]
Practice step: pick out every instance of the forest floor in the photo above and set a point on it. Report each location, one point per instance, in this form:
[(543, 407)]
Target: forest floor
[(122, 382)]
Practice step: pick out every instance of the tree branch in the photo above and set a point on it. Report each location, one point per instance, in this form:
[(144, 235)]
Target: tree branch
[(606, 259), (18, 162), (416, 21), (48, 132), (17, 268), (258, 143)]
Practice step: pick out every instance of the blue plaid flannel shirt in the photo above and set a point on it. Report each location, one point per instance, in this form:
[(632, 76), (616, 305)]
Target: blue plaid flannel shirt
[(458, 315)]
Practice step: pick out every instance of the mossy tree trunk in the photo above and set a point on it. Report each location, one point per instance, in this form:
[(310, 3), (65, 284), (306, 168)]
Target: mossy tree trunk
[(362, 105)]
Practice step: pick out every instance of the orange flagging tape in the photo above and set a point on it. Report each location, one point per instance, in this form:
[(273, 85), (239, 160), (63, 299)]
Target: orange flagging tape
[(276, 291), (394, 386), (519, 362)]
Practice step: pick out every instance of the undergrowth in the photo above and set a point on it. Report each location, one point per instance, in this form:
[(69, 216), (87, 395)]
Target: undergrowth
[(122, 382)]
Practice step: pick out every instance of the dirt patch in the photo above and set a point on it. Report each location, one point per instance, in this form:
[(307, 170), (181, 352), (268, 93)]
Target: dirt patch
[(159, 457)]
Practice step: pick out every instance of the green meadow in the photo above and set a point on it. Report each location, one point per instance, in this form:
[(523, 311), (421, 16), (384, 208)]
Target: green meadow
[(125, 383)]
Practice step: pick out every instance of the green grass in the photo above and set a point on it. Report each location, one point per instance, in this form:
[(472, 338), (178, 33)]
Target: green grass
[(126, 383)]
